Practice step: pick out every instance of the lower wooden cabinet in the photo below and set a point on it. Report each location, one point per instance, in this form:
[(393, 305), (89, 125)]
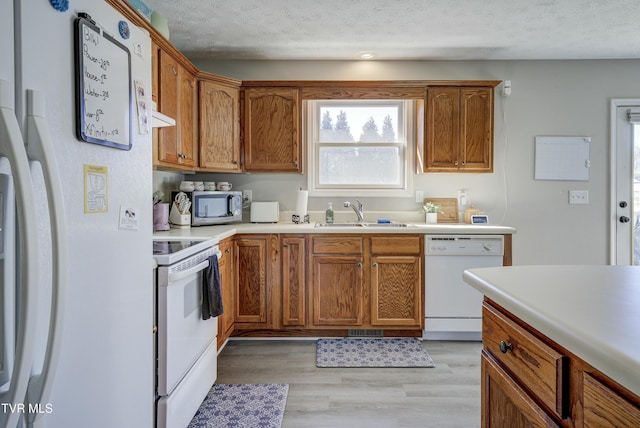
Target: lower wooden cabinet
[(397, 288), (505, 403), (301, 283), (530, 360), (293, 250), (337, 280), (226, 263), (337, 288), (530, 381), (251, 280), (604, 407)]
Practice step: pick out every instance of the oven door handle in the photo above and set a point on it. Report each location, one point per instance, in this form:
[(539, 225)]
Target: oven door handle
[(176, 276)]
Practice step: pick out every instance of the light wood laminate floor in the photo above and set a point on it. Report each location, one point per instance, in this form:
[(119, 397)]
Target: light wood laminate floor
[(445, 396)]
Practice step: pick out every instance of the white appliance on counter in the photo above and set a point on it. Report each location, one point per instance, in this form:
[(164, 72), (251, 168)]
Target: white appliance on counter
[(265, 212), (76, 339), (186, 344), (453, 309)]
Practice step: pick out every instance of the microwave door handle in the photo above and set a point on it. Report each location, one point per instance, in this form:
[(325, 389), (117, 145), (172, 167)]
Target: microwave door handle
[(229, 202), (176, 276)]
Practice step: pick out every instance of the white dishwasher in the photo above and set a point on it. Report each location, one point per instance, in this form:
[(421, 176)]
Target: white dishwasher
[(453, 309)]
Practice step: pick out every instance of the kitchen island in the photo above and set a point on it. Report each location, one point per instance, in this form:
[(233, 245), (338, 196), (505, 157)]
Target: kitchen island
[(562, 343)]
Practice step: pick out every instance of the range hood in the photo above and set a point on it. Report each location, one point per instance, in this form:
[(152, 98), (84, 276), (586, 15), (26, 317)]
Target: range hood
[(159, 120)]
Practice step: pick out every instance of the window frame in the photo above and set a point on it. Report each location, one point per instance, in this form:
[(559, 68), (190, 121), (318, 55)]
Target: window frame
[(312, 122)]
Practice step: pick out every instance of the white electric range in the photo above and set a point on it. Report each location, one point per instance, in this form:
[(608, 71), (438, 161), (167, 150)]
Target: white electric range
[(186, 344)]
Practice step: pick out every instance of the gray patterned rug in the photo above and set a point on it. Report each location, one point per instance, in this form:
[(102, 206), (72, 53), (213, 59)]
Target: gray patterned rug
[(405, 352), (239, 406)]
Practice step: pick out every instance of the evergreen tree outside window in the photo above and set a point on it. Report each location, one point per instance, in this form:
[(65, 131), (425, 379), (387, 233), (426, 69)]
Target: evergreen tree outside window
[(358, 147)]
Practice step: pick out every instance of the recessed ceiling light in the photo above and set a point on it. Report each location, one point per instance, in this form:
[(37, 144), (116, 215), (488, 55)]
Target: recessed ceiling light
[(367, 55)]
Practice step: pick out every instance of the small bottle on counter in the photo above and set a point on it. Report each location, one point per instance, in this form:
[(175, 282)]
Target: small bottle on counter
[(328, 218)]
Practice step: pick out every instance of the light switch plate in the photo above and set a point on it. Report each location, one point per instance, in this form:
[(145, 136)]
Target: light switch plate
[(578, 196)]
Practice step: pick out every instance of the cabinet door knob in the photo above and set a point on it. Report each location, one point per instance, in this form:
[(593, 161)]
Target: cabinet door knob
[(624, 219), (359, 264), (375, 264), (285, 245), (455, 163), (504, 347)]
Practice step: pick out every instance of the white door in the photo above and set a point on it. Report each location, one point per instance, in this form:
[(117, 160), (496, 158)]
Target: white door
[(625, 182)]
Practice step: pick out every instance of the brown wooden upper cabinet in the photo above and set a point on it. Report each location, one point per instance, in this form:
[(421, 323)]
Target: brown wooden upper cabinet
[(272, 140), (458, 129), (155, 61), (177, 98), (219, 127)]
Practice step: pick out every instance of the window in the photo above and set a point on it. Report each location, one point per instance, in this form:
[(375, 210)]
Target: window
[(359, 147)]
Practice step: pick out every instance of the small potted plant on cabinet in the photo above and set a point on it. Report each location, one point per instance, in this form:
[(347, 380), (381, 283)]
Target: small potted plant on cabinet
[(431, 211)]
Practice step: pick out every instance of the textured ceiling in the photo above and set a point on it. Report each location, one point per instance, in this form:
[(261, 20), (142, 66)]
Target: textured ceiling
[(403, 29)]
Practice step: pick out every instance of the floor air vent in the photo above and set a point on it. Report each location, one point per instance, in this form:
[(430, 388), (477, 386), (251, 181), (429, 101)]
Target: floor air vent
[(366, 333)]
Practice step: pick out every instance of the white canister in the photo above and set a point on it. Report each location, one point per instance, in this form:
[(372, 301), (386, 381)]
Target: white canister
[(198, 185)]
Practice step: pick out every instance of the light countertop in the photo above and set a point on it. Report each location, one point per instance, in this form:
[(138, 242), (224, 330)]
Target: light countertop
[(592, 311), (224, 231)]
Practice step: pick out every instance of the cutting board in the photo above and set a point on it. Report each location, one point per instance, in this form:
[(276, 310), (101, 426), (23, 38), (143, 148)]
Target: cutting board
[(448, 209)]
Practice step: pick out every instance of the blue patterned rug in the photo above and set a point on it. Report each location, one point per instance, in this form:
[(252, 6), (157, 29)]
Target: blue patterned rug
[(239, 406), (406, 352)]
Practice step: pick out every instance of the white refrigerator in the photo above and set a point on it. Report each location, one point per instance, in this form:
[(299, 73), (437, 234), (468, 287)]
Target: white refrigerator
[(76, 298)]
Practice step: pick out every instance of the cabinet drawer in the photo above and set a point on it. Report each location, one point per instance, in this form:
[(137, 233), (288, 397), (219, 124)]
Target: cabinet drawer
[(396, 245), (603, 407), (533, 363), (337, 245)]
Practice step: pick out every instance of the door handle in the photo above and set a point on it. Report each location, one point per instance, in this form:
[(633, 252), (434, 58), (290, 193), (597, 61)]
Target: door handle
[(624, 219)]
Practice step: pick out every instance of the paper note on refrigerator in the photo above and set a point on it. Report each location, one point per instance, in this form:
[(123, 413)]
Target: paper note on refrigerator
[(95, 189)]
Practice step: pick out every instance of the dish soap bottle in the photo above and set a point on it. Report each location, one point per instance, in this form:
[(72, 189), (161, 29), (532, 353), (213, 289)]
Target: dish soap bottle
[(328, 218)]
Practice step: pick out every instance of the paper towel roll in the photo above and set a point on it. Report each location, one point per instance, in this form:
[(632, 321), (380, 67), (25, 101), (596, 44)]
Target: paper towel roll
[(301, 203)]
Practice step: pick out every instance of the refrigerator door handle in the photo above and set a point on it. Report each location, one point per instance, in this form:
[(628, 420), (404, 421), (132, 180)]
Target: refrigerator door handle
[(40, 148), (12, 147)]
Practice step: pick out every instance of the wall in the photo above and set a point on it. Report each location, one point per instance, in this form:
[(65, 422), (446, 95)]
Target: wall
[(548, 98)]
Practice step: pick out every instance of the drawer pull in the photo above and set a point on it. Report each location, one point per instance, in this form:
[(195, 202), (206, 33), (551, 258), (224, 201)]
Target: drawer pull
[(504, 347)]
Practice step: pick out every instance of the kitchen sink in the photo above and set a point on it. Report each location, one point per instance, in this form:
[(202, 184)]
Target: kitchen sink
[(376, 225)]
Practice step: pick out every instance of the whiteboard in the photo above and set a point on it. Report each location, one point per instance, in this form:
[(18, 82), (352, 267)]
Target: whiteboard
[(562, 158), (103, 86)]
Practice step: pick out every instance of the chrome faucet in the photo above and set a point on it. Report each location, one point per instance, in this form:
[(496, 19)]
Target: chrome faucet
[(359, 211)]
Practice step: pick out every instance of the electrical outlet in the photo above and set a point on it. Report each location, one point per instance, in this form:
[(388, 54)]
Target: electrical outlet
[(247, 196), (578, 196), (420, 196)]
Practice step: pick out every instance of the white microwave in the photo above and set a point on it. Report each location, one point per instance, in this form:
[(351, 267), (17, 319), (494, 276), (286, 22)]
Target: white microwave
[(215, 207)]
